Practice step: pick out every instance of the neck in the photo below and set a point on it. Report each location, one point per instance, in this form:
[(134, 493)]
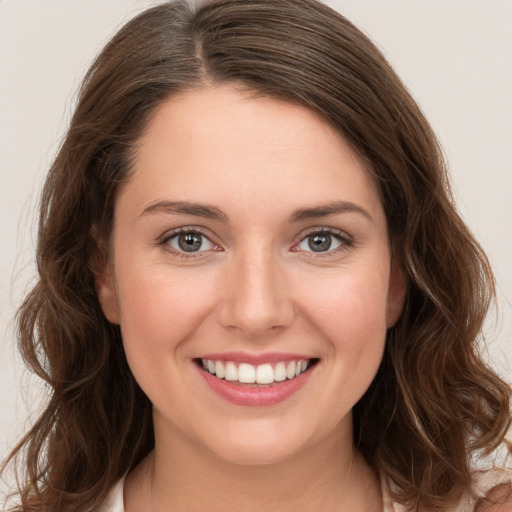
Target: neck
[(183, 476)]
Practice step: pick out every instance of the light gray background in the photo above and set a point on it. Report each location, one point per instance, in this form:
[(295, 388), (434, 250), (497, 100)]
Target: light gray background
[(454, 56)]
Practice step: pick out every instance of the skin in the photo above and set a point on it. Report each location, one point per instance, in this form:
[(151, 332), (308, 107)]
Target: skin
[(498, 499), (257, 287)]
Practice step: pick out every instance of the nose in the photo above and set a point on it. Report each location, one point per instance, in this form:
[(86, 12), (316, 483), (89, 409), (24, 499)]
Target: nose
[(256, 298)]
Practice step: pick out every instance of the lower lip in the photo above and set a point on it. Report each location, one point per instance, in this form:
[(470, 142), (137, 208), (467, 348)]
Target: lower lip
[(239, 394)]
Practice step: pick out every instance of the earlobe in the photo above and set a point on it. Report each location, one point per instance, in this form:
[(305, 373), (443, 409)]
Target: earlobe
[(105, 288), (396, 294)]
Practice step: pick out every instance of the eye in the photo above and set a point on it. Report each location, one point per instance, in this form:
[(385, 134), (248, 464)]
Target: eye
[(189, 242), (323, 241)]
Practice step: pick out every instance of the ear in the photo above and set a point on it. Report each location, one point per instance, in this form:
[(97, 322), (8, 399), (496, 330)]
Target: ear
[(397, 291), (105, 284)]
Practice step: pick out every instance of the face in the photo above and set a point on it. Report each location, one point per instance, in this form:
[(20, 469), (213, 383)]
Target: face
[(251, 276)]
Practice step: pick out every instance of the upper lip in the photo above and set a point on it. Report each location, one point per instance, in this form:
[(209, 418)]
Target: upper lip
[(255, 359)]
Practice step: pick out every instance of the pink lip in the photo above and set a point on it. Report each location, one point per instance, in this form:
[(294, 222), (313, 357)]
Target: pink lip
[(240, 394), (255, 359)]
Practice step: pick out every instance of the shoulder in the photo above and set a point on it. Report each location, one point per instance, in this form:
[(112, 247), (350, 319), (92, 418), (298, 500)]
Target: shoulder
[(491, 492), (494, 490)]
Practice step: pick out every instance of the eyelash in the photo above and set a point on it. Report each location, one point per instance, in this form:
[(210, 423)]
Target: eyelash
[(165, 241), (346, 241)]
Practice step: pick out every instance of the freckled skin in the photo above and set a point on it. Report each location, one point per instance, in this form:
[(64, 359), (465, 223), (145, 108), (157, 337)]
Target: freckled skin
[(257, 287)]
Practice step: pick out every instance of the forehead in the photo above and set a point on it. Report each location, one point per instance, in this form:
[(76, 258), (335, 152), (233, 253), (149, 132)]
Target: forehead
[(221, 144)]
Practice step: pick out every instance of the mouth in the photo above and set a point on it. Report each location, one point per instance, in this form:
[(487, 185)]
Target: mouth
[(256, 376)]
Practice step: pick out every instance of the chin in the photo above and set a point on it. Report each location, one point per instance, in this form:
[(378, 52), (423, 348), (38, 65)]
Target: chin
[(260, 446), (254, 454)]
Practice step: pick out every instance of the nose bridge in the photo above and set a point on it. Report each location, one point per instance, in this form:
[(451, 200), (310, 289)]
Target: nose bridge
[(255, 301)]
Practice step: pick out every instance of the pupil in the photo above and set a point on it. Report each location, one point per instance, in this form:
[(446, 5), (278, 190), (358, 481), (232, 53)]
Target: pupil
[(319, 243), (189, 242)]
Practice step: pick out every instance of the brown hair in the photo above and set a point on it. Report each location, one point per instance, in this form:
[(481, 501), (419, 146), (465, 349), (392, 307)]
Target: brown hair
[(433, 401)]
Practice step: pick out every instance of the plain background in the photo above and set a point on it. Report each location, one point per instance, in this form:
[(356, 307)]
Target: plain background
[(454, 56)]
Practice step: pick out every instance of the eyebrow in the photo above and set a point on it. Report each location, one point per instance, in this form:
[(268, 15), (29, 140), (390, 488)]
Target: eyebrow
[(325, 210), (212, 212), (185, 208)]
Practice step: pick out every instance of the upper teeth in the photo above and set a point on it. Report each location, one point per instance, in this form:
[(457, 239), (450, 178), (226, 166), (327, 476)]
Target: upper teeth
[(248, 374)]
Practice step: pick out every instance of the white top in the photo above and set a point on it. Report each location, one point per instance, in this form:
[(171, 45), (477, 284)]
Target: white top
[(114, 501), (484, 481)]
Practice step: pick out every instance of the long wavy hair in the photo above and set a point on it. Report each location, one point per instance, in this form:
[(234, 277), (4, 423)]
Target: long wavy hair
[(433, 402)]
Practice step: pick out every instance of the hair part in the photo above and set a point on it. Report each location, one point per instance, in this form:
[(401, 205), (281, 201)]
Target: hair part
[(433, 401)]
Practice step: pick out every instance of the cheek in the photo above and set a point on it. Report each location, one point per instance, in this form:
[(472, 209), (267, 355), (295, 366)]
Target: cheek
[(351, 304), (349, 311), (159, 313)]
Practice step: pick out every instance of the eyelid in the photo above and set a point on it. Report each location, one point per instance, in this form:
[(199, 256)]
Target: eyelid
[(163, 240), (347, 241)]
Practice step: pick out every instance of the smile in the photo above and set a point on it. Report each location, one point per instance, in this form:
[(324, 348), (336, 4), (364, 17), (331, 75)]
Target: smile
[(262, 384), (263, 374)]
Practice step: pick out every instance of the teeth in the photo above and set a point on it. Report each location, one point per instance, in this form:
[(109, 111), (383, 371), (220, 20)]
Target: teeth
[(290, 370), (248, 374), (231, 371), (280, 372), (265, 374), (219, 370)]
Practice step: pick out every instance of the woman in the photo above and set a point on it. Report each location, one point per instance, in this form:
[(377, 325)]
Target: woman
[(254, 288)]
